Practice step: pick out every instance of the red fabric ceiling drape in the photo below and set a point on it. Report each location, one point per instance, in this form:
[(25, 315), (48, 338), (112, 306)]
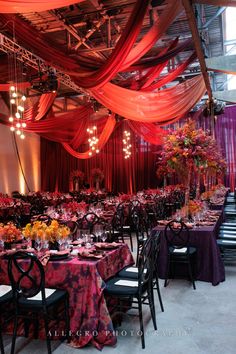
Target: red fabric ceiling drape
[(103, 138), (150, 107), (26, 35), (39, 109), (6, 87), (171, 75), (150, 132), (18, 6)]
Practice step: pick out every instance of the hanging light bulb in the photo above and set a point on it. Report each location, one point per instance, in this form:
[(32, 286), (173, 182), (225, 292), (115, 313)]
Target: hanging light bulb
[(14, 94), (11, 119), (23, 98), (12, 129), (18, 125), (18, 132), (12, 88), (17, 115), (12, 101), (22, 136), (23, 125)]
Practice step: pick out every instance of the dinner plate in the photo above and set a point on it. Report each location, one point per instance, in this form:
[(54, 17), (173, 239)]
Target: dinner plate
[(106, 246), (58, 257), (91, 255)]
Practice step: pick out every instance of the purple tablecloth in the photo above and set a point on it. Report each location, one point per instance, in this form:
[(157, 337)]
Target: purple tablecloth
[(210, 267)]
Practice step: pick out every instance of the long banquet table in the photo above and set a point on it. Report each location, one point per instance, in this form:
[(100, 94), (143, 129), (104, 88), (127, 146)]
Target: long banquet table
[(90, 321), (209, 267)]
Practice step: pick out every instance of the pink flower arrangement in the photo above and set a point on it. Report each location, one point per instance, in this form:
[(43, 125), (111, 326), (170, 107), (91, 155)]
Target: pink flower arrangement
[(74, 207), (97, 174), (6, 202), (76, 174)]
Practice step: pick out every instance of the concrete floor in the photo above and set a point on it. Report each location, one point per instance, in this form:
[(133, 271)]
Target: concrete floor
[(201, 321)]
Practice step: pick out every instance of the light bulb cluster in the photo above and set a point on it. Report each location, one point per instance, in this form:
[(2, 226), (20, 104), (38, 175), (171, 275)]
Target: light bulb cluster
[(17, 102), (126, 144), (93, 140)]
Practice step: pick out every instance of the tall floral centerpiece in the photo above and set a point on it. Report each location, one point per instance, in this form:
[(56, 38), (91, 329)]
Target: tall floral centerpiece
[(191, 152), (77, 177), (97, 177)]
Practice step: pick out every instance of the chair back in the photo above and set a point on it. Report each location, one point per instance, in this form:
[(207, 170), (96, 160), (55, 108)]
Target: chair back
[(89, 220), (146, 264), (177, 234), (26, 274)]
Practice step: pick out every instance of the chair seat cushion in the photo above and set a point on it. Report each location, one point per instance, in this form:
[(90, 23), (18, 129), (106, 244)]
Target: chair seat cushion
[(114, 287), (129, 272), (181, 251), (5, 294), (53, 297)]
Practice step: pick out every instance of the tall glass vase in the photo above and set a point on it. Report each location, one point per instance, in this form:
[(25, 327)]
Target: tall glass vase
[(187, 186)]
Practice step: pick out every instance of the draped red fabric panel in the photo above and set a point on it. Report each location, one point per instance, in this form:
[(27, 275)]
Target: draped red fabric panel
[(64, 127), (148, 131), (151, 107), (6, 87), (121, 51), (147, 42), (123, 55), (147, 62), (23, 6), (103, 138), (171, 75), (38, 110), (145, 77), (121, 175)]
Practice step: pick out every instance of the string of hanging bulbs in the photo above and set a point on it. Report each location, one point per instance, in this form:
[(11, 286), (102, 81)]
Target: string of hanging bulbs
[(93, 140), (126, 144), (17, 107)]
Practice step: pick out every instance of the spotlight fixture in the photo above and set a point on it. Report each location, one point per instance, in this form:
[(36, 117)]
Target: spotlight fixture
[(49, 84)]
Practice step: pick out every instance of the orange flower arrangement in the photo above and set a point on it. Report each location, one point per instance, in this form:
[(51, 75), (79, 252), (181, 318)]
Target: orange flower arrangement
[(10, 233)]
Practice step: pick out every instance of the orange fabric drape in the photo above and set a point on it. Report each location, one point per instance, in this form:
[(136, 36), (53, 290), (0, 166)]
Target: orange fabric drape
[(6, 87), (23, 6), (106, 133), (149, 107)]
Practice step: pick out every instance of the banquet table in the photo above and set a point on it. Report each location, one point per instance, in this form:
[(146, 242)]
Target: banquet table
[(209, 265), (90, 321)]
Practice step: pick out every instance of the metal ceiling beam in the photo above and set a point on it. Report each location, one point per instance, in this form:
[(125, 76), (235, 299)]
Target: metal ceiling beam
[(197, 42), (226, 96), (216, 2), (72, 30), (25, 56), (217, 14), (225, 64)]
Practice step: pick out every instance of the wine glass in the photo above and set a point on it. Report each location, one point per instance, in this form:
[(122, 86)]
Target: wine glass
[(38, 244), (87, 241), (61, 243), (103, 236)]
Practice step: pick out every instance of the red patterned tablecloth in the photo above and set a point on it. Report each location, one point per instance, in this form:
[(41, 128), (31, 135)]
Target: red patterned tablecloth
[(90, 321)]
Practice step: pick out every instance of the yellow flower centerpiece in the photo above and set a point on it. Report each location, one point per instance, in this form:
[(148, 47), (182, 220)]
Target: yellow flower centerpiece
[(51, 233)]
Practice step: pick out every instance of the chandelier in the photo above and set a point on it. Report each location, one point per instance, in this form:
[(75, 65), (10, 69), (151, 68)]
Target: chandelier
[(17, 96), (126, 144), (93, 140)]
